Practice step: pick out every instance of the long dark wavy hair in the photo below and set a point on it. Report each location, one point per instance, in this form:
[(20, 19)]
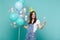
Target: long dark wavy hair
[(31, 13)]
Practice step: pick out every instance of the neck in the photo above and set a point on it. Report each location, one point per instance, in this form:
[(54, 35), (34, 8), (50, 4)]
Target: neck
[(32, 20)]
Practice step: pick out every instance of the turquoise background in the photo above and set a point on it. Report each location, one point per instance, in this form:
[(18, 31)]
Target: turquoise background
[(48, 8)]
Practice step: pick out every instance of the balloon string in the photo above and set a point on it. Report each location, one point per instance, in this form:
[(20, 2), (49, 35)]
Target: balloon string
[(19, 33)]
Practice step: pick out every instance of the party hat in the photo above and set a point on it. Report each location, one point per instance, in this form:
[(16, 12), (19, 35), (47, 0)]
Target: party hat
[(31, 9)]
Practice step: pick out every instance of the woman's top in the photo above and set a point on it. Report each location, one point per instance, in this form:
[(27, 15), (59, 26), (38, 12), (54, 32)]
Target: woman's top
[(36, 25)]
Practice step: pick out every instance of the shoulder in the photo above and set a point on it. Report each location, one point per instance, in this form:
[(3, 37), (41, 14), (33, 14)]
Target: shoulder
[(38, 21)]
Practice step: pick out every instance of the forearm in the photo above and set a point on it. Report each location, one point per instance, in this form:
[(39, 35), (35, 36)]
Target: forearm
[(44, 23), (25, 27), (42, 26)]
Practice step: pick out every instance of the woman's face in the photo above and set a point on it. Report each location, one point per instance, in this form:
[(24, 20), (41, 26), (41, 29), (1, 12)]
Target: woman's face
[(33, 15)]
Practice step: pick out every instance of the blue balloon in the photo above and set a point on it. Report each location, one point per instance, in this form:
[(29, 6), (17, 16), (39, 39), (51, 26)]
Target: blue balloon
[(22, 1), (20, 21), (13, 16), (19, 5)]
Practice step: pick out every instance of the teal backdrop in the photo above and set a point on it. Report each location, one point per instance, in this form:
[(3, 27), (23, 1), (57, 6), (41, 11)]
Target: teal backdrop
[(48, 8)]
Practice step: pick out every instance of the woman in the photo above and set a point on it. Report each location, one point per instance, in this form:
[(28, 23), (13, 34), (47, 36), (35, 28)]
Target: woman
[(33, 24)]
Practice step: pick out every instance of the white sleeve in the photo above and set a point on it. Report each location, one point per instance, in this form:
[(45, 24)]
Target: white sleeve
[(38, 22), (35, 25)]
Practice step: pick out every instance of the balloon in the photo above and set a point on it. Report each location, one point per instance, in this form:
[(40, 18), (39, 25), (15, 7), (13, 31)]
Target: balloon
[(20, 21), (44, 17), (24, 10), (18, 5), (20, 12), (21, 15), (13, 24), (22, 1), (12, 9), (26, 17), (13, 16)]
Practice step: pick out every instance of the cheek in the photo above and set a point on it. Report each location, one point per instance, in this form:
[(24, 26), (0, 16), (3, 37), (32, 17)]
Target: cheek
[(33, 16)]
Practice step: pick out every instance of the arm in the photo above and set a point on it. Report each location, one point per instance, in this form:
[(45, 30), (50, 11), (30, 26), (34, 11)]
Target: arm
[(41, 26), (25, 27)]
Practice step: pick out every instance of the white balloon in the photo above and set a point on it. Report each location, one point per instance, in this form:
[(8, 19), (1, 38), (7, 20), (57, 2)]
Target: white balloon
[(14, 23), (44, 17), (21, 15), (26, 17), (18, 5), (11, 9), (24, 10), (20, 12)]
